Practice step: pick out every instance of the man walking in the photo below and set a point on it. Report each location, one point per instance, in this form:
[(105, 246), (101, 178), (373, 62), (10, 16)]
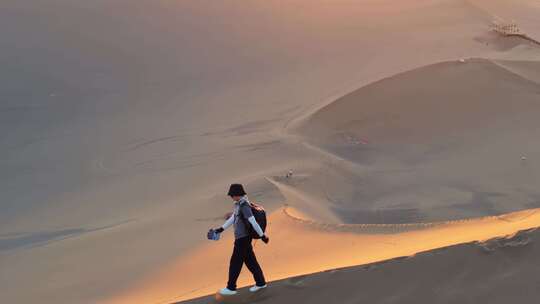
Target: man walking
[(241, 217)]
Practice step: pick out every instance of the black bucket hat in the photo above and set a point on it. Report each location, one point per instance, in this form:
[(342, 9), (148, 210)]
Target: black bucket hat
[(236, 190)]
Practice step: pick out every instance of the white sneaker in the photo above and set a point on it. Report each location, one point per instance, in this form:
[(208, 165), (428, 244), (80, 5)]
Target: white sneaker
[(256, 288), (227, 292)]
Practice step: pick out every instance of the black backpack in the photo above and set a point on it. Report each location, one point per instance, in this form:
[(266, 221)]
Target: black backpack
[(260, 216)]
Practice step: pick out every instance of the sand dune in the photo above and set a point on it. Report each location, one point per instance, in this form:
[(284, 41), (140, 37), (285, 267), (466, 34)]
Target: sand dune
[(299, 248), (442, 134), (414, 165), (402, 127), (122, 122), (437, 101), (308, 246), (497, 271)]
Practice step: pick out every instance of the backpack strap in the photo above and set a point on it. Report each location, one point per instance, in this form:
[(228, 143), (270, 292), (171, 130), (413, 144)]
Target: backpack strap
[(244, 220)]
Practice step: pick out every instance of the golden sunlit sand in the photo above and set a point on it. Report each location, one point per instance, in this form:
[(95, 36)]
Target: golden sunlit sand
[(311, 247)]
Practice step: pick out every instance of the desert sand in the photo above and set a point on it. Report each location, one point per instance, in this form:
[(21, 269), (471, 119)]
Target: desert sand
[(498, 271), (409, 127), (323, 247)]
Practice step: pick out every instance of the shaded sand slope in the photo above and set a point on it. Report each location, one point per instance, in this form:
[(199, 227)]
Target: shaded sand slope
[(498, 271), (444, 141), (300, 246), (424, 104), (526, 69)]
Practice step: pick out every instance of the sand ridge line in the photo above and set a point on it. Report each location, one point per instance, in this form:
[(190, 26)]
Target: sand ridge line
[(290, 126), (297, 216), (524, 36), (521, 215)]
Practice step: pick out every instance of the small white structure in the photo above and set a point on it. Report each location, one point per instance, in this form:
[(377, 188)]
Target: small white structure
[(506, 28)]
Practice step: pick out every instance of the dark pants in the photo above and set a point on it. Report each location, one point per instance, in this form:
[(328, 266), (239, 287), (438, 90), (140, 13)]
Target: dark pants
[(243, 253)]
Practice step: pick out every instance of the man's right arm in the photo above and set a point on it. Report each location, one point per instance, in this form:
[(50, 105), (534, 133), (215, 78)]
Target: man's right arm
[(226, 225)]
